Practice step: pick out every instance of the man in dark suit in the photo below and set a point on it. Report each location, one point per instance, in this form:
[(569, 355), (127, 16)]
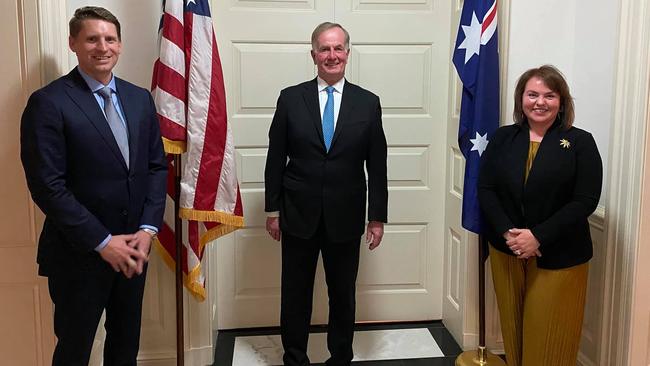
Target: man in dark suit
[(322, 134), (93, 158)]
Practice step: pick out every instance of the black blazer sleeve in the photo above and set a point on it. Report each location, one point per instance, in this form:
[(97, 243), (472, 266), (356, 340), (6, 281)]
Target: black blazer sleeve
[(154, 203), (490, 202), (377, 171), (276, 158)]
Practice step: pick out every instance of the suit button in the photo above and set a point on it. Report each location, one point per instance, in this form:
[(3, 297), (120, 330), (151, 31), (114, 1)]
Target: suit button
[(125, 212)]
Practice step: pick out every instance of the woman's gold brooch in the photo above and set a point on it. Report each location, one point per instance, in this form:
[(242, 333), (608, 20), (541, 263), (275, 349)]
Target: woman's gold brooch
[(565, 143)]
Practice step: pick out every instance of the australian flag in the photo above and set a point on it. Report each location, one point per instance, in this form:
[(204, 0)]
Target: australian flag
[(476, 58)]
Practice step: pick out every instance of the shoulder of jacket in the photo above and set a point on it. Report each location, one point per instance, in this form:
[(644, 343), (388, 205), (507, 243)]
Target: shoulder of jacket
[(506, 131), (52, 91), (578, 132), (359, 90), (298, 88), (361, 96)]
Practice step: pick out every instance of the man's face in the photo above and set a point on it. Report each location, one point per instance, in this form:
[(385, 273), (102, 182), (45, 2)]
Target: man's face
[(97, 47), (331, 55)]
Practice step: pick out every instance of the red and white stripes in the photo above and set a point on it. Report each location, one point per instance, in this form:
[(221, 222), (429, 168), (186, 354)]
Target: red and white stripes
[(489, 24), (189, 93)]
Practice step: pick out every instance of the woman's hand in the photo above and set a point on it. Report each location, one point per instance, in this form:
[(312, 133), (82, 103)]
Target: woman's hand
[(522, 242)]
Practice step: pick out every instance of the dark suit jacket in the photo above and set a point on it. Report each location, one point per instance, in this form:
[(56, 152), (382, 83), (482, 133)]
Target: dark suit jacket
[(78, 177), (303, 181), (562, 190)]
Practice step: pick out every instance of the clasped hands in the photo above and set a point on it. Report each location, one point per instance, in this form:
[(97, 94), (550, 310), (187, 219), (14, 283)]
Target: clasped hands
[(522, 242), (128, 253)]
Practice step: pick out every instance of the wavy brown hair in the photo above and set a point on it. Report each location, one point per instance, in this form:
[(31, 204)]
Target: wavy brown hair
[(555, 81), (92, 12)]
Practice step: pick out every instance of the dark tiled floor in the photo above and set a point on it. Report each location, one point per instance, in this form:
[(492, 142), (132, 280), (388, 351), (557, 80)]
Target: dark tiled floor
[(447, 344)]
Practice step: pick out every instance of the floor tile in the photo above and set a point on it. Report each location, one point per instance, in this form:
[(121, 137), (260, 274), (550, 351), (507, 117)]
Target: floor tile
[(403, 344), (370, 345)]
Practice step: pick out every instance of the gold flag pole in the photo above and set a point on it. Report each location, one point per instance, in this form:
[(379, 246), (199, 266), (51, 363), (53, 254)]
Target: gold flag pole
[(480, 356)]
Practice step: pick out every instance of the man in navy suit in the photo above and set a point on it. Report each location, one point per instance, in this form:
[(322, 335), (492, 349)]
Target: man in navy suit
[(323, 133), (94, 162)]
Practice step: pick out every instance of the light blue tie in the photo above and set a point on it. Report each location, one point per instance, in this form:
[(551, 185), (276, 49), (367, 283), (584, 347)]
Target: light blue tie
[(115, 123), (328, 118)]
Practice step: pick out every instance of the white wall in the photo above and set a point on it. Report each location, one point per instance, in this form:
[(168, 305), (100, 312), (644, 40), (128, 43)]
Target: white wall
[(580, 38)]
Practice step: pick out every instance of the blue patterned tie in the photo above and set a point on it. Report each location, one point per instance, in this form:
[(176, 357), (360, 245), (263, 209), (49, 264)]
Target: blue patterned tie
[(328, 118), (115, 123)]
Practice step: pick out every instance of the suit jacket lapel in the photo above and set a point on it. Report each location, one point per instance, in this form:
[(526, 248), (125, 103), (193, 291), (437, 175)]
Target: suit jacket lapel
[(83, 97), (125, 95), (310, 94), (347, 104), (519, 156)]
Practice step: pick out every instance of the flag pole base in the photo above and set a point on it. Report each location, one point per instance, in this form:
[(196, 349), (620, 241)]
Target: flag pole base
[(480, 357)]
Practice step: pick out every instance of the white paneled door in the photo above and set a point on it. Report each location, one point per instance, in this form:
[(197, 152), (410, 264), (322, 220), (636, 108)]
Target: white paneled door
[(400, 51)]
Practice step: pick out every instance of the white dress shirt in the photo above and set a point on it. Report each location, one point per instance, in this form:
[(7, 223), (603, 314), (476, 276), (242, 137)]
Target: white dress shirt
[(322, 97)]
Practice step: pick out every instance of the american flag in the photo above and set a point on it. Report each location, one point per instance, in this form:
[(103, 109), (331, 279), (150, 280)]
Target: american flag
[(188, 90), (476, 58)]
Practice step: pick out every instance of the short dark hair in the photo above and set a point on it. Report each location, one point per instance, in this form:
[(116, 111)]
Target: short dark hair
[(92, 12), (327, 26), (555, 81)]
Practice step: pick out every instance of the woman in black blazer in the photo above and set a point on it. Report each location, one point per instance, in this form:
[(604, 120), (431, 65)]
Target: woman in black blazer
[(539, 182)]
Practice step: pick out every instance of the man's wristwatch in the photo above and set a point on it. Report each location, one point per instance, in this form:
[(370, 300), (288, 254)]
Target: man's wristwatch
[(153, 233)]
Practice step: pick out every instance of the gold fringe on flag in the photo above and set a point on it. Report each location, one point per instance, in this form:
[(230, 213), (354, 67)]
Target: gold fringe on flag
[(190, 280), (212, 216), (174, 147)]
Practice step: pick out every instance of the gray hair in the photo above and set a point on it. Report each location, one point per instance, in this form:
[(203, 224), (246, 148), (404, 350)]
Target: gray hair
[(327, 26)]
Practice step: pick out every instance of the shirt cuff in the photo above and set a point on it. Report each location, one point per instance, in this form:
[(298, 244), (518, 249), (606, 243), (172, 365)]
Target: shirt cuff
[(273, 214), (104, 243), (149, 227)]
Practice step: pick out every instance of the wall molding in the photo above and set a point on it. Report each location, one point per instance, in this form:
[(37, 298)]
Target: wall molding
[(504, 48), (53, 34), (622, 223)]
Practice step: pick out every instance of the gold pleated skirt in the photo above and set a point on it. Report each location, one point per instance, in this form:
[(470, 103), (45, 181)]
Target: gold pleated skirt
[(541, 310)]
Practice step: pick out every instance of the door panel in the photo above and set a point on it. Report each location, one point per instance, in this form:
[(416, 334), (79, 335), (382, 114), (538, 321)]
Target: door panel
[(397, 48)]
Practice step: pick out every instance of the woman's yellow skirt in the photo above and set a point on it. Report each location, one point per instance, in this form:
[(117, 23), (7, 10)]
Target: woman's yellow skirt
[(541, 310)]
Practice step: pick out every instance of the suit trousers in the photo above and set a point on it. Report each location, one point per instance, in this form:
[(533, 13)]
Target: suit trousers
[(80, 295), (341, 263), (541, 310)]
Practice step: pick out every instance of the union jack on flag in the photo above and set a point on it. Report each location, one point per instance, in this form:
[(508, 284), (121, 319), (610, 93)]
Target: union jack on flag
[(188, 90), (476, 58)]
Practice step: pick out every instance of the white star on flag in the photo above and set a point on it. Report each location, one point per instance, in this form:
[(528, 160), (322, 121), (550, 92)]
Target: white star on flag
[(479, 143), (472, 42)]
